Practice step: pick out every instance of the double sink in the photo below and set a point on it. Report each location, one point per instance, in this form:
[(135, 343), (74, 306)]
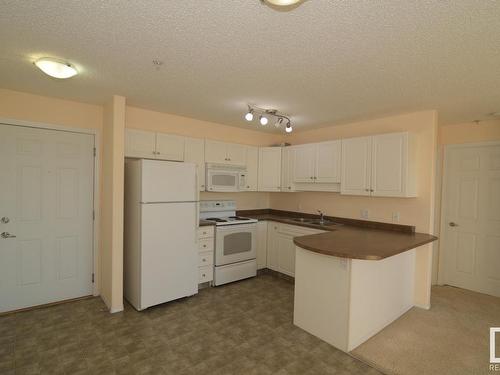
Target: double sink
[(324, 222)]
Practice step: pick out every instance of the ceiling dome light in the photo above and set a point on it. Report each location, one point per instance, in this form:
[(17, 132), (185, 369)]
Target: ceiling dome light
[(263, 120), (288, 128), (249, 115), (56, 68), (282, 3)]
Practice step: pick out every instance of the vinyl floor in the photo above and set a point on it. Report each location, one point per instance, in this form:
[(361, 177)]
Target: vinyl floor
[(240, 328)]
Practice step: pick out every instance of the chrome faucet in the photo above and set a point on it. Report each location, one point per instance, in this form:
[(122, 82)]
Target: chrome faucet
[(321, 217)]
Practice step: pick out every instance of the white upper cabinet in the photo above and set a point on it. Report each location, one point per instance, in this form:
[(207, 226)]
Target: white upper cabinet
[(225, 153), (304, 163), (269, 169), (317, 163), (236, 154), (287, 154), (252, 163), (140, 144), (393, 165), (381, 165), (356, 166), (194, 152), (169, 147), (215, 152), (328, 162), (151, 145)]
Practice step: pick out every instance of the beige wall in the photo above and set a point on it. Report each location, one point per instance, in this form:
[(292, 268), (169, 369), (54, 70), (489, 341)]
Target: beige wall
[(111, 254), (28, 107), (415, 211), (469, 132)]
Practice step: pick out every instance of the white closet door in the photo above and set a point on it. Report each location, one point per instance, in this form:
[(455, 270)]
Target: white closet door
[(46, 180)]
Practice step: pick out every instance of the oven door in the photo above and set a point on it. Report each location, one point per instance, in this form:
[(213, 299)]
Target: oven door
[(221, 180), (235, 243)]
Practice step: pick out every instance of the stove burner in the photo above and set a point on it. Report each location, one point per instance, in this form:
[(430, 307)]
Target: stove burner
[(216, 219), (239, 218)]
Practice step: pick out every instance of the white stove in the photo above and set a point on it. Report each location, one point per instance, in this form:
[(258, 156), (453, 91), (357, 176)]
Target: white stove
[(235, 241), (222, 213)]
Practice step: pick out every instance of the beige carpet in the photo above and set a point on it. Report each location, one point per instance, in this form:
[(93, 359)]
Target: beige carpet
[(450, 338)]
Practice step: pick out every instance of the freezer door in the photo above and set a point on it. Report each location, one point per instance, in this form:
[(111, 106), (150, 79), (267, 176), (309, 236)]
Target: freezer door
[(167, 181), (169, 252)]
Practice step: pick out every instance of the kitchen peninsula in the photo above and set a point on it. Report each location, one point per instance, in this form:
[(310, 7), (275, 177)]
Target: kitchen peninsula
[(351, 283), (353, 278)]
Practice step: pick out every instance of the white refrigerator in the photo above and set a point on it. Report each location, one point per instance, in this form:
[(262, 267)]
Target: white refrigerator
[(161, 218)]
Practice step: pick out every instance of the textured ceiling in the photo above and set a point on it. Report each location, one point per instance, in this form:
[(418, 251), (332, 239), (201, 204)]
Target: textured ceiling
[(325, 62)]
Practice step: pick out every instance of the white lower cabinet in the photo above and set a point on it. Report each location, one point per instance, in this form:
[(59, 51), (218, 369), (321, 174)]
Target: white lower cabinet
[(261, 244), (280, 246), (206, 242)]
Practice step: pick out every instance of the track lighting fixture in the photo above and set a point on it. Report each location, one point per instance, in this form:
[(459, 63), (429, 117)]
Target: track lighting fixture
[(266, 115)]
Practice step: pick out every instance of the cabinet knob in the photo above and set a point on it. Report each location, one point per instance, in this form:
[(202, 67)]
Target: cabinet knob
[(311, 178), (289, 188), (452, 224), (372, 190), (367, 189), (248, 187), (203, 275)]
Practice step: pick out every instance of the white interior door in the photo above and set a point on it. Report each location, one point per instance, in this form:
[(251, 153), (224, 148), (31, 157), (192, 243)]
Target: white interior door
[(471, 219), (46, 200)]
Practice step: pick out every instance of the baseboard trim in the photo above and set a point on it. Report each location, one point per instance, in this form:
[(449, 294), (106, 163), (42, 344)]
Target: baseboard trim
[(425, 307), (43, 306), (268, 271)]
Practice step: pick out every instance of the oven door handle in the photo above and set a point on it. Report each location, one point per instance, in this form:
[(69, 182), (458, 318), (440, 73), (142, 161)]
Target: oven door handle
[(237, 227)]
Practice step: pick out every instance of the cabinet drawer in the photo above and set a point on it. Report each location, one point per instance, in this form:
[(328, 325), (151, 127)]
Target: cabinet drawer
[(206, 274), (206, 231), (206, 244), (206, 258)]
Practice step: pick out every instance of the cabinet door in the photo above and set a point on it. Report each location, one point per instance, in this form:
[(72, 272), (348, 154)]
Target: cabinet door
[(269, 169), (169, 147), (328, 162), (303, 163), (236, 154), (356, 166), (287, 169), (261, 244), (252, 163), (272, 252), (215, 152), (389, 165), (286, 254), (194, 152), (139, 144)]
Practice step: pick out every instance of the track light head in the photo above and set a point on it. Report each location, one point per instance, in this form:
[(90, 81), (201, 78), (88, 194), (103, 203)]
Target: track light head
[(288, 127), (249, 115), (263, 120)]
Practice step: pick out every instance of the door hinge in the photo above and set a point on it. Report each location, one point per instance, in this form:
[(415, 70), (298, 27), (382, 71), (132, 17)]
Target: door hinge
[(95, 152), (93, 215), (92, 278)]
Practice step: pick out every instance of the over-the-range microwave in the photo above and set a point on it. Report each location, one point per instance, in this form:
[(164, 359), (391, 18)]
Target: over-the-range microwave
[(222, 177)]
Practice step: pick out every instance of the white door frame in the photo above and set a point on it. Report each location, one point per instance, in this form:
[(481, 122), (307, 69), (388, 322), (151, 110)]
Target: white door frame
[(447, 149), (96, 191)]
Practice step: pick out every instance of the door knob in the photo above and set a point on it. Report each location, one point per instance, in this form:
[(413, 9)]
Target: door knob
[(7, 235), (4, 220), (452, 224)]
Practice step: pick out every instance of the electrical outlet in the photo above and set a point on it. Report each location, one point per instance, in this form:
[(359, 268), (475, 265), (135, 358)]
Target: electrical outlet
[(365, 214), (395, 217)]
